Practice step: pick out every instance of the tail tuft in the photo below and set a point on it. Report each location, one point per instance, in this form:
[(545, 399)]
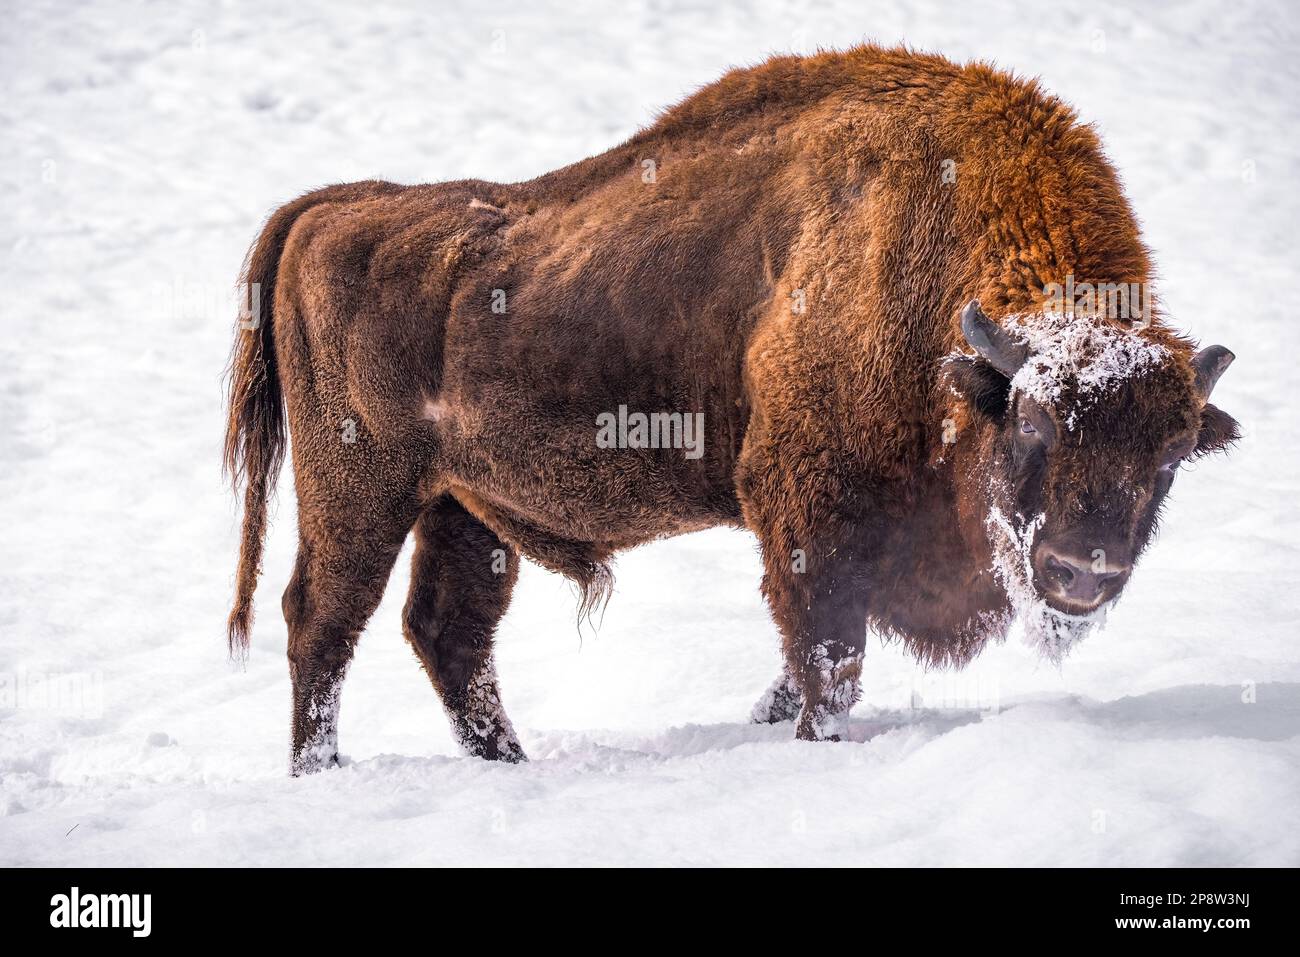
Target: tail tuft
[(255, 430)]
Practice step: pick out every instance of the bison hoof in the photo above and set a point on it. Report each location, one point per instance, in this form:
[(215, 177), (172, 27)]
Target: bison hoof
[(310, 762), (820, 724), (489, 741), (511, 753), (804, 734)]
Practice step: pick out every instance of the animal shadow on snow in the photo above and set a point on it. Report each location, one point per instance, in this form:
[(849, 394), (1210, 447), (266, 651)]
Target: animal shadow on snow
[(1264, 712)]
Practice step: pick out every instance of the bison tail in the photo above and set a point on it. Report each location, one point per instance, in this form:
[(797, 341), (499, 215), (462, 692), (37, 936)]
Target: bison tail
[(255, 428)]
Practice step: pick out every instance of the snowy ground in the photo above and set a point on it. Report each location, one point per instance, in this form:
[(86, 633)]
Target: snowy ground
[(142, 146)]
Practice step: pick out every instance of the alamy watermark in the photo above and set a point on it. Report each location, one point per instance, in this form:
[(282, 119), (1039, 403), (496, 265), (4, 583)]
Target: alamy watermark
[(944, 691), (204, 301), (653, 430), (77, 694), (1110, 300), (130, 911)]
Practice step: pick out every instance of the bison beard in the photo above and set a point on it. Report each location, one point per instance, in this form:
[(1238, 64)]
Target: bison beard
[(1053, 634), (794, 274)]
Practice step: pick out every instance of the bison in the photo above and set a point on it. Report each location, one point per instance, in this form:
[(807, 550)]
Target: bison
[(820, 299)]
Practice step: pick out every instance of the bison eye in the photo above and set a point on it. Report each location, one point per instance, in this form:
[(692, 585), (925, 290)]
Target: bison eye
[(1172, 464), (1027, 427)]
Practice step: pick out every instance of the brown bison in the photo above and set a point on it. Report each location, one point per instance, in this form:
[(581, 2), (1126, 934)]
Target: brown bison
[(821, 299)]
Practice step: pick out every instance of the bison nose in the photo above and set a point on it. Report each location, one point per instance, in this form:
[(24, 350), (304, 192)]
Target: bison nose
[(1079, 580)]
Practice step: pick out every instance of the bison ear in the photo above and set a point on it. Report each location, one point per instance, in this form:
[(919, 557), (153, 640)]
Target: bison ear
[(1218, 431), (985, 388)]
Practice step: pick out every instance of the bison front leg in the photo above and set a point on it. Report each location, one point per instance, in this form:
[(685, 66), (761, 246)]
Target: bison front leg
[(818, 597), (782, 701)]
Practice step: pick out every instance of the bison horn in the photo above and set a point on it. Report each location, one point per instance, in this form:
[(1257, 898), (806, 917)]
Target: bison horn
[(1210, 363), (992, 343)]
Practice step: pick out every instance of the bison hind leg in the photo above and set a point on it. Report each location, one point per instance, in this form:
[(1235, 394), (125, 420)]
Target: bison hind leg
[(462, 576), (338, 579)]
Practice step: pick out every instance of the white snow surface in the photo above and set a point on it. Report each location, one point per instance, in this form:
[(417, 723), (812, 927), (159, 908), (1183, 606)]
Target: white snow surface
[(143, 146)]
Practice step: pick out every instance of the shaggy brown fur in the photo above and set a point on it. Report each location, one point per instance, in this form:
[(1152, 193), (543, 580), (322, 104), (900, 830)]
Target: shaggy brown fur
[(787, 252)]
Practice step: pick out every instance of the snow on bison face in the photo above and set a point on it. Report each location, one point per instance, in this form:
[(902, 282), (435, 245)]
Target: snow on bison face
[(1083, 423)]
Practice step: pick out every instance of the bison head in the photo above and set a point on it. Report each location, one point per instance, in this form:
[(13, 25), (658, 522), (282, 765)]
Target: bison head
[(1082, 425)]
